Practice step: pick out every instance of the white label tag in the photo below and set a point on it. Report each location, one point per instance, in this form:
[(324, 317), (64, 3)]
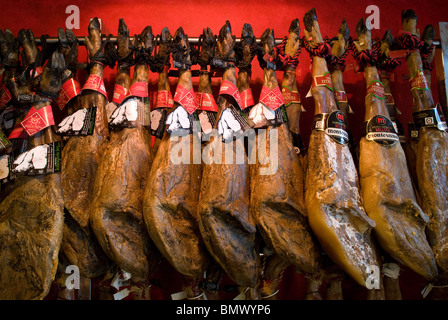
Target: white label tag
[(309, 94), (392, 270), (4, 166), (122, 294), (426, 290), (179, 295)]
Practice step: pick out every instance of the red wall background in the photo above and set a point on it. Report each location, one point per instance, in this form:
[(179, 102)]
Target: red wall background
[(45, 17)]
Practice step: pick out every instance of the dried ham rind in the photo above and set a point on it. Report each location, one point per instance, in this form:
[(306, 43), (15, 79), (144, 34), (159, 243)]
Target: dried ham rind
[(332, 194)]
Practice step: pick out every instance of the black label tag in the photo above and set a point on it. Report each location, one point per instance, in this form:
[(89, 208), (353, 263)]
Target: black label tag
[(333, 124), (80, 123), (429, 118), (381, 130), (413, 131), (297, 142), (399, 129), (40, 160), (207, 120), (158, 120)]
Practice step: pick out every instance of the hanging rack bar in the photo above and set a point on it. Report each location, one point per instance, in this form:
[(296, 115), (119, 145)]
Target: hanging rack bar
[(193, 40)]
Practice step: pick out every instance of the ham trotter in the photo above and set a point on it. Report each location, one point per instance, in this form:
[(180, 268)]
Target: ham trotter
[(226, 226), (171, 196), (332, 194), (117, 208), (387, 189), (432, 152), (277, 197)]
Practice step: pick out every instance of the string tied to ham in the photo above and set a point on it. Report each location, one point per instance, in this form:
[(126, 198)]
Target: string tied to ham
[(285, 61), (322, 49), (367, 57)]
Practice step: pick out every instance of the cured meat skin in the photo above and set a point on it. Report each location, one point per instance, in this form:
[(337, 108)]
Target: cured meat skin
[(120, 180), (277, 199), (32, 217), (332, 194), (226, 226), (171, 195), (81, 154), (31, 222), (387, 189), (432, 163)]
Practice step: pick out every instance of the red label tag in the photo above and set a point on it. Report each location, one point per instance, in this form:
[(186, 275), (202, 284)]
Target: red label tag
[(70, 89), (36, 120), (186, 98), (389, 98), (95, 83), (17, 132), (290, 96), (341, 96), (5, 96), (164, 99), (120, 93), (418, 81), (323, 81), (139, 89), (207, 102), (247, 99), (272, 98), (230, 88), (376, 88)]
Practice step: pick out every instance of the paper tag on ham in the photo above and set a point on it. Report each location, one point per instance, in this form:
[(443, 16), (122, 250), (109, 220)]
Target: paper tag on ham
[(4, 142), (95, 83), (418, 81), (36, 120), (120, 93), (186, 98), (391, 270), (229, 88), (207, 102), (333, 124), (70, 89), (389, 99), (6, 169), (40, 160), (80, 123), (5, 96), (323, 81), (207, 120), (247, 99), (376, 89), (429, 118), (380, 129), (290, 96), (271, 98), (139, 89), (164, 99), (133, 112), (158, 120)]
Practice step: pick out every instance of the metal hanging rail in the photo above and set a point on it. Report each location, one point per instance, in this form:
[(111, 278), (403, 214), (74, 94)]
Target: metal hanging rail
[(192, 40)]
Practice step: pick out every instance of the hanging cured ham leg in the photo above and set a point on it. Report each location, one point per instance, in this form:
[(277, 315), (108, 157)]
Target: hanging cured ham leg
[(226, 226), (332, 196), (277, 197), (80, 158), (432, 153), (32, 215), (387, 190), (81, 153), (171, 196), (121, 177)]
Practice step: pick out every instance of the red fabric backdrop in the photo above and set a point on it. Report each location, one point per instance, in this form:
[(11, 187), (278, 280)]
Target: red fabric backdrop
[(45, 17)]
